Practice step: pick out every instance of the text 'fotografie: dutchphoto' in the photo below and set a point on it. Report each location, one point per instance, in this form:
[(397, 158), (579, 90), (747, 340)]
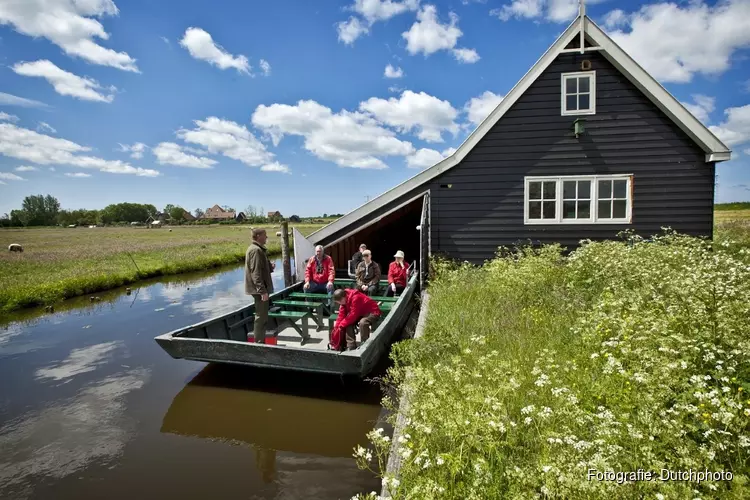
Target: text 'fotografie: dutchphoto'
[(690, 475)]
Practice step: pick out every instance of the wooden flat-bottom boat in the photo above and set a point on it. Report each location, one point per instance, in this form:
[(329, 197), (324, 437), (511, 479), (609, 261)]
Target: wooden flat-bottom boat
[(294, 315)]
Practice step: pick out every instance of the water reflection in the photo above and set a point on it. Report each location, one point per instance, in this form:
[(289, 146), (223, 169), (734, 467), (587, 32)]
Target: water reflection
[(70, 434), (315, 415), (80, 361)]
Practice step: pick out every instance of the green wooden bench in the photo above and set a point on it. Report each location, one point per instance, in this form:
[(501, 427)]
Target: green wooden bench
[(319, 296), (292, 317), (316, 308)]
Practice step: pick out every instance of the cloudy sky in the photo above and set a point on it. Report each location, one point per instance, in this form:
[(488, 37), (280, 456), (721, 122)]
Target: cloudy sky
[(309, 107)]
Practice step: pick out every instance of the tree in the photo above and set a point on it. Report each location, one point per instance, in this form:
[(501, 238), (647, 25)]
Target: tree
[(177, 214), (325, 215), (168, 209), (40, 210), (5, 220), (294, 218), (250, 211), (199, 213)]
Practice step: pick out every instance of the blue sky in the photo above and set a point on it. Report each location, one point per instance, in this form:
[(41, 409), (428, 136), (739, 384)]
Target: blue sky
[(290, 105)]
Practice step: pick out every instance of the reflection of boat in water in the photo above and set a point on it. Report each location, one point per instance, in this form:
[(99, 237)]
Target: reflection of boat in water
[(271, 413)]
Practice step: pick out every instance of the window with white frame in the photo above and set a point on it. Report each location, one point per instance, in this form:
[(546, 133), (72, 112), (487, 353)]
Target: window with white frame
[(589, 199), (579, 93)]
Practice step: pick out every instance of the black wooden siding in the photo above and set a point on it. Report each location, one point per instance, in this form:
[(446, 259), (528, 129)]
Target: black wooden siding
[(672, 183)]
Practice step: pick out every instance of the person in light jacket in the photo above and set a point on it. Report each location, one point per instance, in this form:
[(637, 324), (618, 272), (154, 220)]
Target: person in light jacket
[(397, 273), (368, 274), (258, 282)]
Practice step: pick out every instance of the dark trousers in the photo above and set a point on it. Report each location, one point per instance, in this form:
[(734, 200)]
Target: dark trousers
[(261, 318), (371, 290), (399, 289), (365, 325)]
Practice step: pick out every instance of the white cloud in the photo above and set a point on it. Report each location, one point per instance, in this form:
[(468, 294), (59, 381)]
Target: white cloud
[(28, 145), (26, 168), (136, 150), (422, 113), (558, 11), (275, 167), (45, 127), (63, 82), (77, 175), (351, 29), (701, 106), (615, 19), (391, 72), (69, 24), (169, 153), (3, 183), (229, 139), (468, 56), (425, 157), (478, 108), (674, 42), (52, 169), (5, 117), (349, 139), (265, 67), (11, 177), (736, 128), (12, 100), (166, 40), (201, 45), (372, 11), (427, 35)]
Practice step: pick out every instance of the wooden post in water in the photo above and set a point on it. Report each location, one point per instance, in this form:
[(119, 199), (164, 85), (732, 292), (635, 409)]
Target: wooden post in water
[(285, 254)]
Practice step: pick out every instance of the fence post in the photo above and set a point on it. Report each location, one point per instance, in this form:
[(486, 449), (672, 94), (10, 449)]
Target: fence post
[(285, 254)]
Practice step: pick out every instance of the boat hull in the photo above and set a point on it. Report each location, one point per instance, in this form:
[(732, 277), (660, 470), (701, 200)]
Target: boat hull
[(214, 342)]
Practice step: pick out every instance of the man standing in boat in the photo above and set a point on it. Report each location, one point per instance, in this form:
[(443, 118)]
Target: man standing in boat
[(319, 273), (258, 282), (355, 307)]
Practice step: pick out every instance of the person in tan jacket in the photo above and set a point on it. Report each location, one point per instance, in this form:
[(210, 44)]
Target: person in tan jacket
[(368, 274), (258, 282)]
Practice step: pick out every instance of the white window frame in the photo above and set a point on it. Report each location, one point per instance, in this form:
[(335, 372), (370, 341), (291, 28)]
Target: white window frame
[(592, 96), (594, 216)]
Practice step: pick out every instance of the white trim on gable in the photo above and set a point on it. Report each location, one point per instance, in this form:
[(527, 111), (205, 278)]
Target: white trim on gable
[(715, 150)]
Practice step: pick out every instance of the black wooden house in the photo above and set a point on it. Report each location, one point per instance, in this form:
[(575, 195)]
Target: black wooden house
[(586, 145)]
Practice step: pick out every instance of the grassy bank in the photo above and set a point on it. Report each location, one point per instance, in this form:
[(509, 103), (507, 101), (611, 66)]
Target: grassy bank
[(62, 263), (536, 368)]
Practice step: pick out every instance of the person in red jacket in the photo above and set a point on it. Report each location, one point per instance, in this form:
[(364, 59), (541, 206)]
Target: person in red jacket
[(355, 307), (319, 273), (397, 273)]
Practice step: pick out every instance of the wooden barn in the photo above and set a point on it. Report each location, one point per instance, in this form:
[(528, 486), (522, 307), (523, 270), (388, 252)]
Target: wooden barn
[(585, 145)]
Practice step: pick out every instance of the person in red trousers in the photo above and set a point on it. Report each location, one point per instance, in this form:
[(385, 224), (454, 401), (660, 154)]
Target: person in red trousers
[(354, 307), (397, 273)]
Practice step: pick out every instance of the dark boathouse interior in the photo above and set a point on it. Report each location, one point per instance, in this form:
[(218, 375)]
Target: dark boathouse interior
[(386, 235)]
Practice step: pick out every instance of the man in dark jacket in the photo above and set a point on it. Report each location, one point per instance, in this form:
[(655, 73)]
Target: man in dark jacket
[(357, 257), (258, 282), (355, 307), (368, 275)]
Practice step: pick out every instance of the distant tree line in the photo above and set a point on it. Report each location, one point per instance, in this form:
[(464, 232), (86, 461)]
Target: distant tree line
[(737, 205), (45, 210)]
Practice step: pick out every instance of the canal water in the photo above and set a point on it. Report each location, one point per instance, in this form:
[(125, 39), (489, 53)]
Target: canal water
[(92, 408)]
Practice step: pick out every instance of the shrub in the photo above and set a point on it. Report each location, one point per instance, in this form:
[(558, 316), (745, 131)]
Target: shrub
[(536, 368)]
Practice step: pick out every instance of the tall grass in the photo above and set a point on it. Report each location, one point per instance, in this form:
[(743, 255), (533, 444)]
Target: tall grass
[(535, 369), (62, 263)]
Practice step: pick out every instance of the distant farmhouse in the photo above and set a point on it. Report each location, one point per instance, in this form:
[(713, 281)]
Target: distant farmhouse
[(275, 215), (216, 213)]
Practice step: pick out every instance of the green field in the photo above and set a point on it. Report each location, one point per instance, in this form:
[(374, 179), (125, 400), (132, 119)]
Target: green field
[(59, 263)]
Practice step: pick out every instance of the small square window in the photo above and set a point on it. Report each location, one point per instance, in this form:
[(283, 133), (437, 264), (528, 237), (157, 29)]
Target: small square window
[(579, 93)]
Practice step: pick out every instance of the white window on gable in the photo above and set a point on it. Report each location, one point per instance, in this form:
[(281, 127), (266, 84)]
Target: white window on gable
[(580, 199), (579, 93)]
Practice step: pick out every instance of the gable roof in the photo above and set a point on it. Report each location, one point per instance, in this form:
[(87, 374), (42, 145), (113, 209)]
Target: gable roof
[(715, 149)]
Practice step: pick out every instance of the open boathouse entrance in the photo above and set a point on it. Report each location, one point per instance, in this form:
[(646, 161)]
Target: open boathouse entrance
[(404, 227)]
